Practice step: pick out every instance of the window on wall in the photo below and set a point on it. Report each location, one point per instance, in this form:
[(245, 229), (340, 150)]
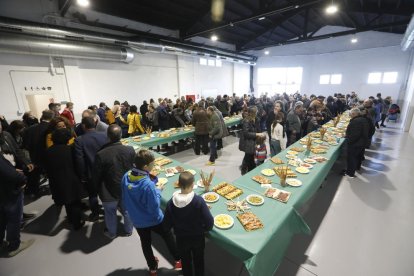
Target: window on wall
[(390, 77), (211, 62), (279, 79), (385, 78), (330, 79), (374, 78)]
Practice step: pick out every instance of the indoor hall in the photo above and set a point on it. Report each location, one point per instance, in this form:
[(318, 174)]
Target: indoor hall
[(289, 123)]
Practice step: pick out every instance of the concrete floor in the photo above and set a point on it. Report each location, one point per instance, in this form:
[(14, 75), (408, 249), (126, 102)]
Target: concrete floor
[(360, 226)]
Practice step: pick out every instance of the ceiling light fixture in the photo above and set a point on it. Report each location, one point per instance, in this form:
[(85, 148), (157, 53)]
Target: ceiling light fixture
[(83, 3), (266, 52), (332, 8), (261, 18), (214, 38), (354, 40)]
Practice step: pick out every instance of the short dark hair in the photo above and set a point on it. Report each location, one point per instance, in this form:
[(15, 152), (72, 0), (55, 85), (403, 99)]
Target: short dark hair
[(143, 158), (117, 103), (61, 136), (102, 104), (68, 104), (185, 180), (114, 133), (133, 108), (88, 122), (47, 115)]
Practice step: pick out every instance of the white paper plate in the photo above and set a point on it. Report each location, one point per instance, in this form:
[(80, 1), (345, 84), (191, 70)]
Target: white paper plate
[(193, 172), (162, 181), (309, 161), (210, 193), (302, 170), (253, 203), (229, 218), (294, 182)]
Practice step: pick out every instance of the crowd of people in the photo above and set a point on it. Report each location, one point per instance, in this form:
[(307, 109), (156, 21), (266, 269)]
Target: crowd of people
[(87, 160)]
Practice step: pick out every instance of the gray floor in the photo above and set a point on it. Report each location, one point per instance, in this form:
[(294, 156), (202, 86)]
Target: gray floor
[(360, 226)]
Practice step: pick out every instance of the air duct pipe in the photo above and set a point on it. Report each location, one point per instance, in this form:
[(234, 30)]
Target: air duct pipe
[(155, 45), (27, 44)]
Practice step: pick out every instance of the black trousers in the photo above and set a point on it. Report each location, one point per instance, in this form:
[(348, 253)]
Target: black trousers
[(74, 213), (219, 144), (146, 240), (33, 181), (191, 250), (201, 141), (383, 117), (354, 159), (248, 163)]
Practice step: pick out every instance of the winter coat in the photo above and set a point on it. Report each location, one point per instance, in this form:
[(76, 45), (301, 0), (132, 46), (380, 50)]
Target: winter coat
[(200, 121), (357, 132), (11, 181), (64, 183), (111, 164), (223, 124), (215, 128), (247, 141)]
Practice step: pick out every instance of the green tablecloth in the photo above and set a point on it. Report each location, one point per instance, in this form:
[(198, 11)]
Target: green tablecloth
[(260, 250), (179, 135), (310, 182)]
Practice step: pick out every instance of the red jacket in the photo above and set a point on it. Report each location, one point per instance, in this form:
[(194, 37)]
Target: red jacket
[(68, 114)]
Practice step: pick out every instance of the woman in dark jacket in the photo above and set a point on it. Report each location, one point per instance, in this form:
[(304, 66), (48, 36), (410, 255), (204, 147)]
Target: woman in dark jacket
[(64, 183), (200, 122), (247, 143)]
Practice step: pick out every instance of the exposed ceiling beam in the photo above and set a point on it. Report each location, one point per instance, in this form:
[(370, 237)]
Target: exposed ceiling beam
[(63, 9), (343, 33), (305, 24), (291, 6)]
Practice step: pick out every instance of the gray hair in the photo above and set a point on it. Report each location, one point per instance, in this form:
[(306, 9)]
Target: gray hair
[(355, 111)]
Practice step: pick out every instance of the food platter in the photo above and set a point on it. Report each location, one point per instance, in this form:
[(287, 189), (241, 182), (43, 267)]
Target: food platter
[(290, 156), (306, 165), (280, 195), (227, 190), (277, 160), (255, 200), (268, 172), (261, 179), (223, 221), (161, 161), (309, 161), (250, 221), (193, 172), (292, 152), (302, 170), (162, 181), (210, 197), (294, 182)]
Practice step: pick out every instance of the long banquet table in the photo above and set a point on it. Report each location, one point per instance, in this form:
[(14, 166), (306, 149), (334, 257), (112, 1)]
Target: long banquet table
[(261, 250)]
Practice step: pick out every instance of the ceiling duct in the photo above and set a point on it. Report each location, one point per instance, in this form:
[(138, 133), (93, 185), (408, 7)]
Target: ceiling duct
[(32, 45), (135, 43)]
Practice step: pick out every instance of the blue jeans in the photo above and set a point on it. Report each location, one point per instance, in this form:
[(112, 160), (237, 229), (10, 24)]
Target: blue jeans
[(111, 219), (275, 147), (11, 213)]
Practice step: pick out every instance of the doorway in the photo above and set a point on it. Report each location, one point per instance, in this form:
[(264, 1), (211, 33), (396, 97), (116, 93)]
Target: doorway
[(37, 103)]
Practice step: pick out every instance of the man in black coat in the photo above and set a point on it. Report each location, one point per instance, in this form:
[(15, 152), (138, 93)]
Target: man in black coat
[(86, 147), (111, 163), (33, 142), (356, 137)]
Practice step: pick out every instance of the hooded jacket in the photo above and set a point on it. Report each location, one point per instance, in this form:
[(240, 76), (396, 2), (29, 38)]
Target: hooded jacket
[(188, 214), (141, 199)]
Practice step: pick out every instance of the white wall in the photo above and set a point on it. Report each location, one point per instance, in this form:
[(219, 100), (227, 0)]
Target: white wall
[(149, 76), (353, 64)]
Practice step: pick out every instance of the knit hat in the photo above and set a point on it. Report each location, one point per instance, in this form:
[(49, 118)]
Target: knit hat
[(298, 103)]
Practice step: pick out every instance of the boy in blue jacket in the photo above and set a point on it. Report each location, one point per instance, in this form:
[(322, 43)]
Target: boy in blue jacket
[(142, 201), (190, 217)]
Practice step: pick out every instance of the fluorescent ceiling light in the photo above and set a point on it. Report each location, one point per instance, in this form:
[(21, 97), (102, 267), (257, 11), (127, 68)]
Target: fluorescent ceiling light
[(354, 40), (214, 38), (261, 18), (83, 3), (331, 9), (266, 52)]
